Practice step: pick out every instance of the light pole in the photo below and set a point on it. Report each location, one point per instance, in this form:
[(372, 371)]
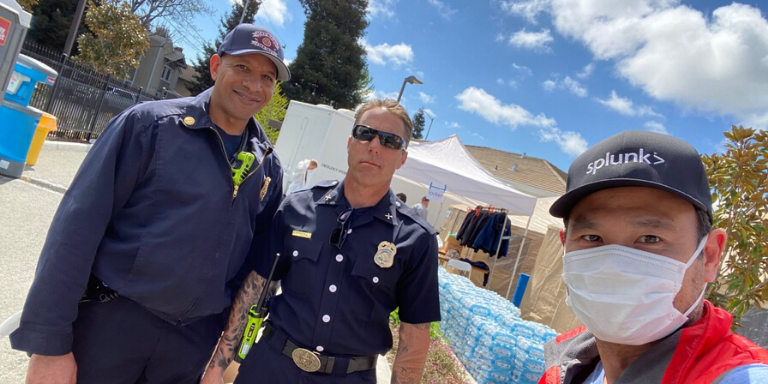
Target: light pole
[(409, 80), (431, 119)]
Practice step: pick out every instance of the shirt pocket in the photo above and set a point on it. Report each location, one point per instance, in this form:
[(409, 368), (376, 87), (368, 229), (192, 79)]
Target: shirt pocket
[(378, 285), (300, 281)]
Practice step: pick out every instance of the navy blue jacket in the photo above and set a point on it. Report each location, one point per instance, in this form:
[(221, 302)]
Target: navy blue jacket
[(153, 212), (336, 298)]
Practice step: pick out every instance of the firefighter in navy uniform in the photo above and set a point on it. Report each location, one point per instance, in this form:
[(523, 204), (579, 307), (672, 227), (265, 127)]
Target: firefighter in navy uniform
[(158, 229), (351, 253)]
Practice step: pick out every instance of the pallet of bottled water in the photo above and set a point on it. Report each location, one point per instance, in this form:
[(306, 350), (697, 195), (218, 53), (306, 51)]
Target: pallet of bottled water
[(487, 334)]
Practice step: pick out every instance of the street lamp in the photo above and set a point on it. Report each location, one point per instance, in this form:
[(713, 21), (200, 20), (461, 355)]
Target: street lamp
[(409, 80), (431, 119)]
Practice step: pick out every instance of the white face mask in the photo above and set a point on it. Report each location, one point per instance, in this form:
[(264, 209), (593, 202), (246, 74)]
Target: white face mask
[(624, 295)]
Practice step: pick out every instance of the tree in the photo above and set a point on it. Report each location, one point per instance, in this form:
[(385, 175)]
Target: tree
[(117, 40), (50, 26), (202, 78), (274, 110), (329, 67), (418, 124), (150, 10), (27, 5), (739, 181)]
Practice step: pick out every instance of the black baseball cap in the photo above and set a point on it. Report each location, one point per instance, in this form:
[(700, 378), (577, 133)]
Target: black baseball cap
[(637, 158), (248, 38)]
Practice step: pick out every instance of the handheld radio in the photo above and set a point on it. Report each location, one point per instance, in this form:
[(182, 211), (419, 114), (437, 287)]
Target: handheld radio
[(256, 315)]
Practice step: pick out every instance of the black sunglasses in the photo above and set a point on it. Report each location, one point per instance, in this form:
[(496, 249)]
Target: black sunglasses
[(366, 133), (340, 234)]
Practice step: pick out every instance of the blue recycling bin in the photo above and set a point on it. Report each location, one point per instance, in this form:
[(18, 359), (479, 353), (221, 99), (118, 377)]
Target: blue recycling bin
[(17, 128), (27, 72)]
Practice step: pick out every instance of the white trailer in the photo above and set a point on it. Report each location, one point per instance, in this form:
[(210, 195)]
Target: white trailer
[(315, 132)]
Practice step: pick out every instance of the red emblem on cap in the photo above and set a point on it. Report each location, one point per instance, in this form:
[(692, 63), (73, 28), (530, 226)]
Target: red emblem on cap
[(265, 41), (5, 28)]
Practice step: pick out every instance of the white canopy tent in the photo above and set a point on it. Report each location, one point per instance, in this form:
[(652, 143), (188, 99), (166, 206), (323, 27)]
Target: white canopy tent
[(447, 163)]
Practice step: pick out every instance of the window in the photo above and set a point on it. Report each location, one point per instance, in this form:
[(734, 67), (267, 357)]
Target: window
[(166, 73)]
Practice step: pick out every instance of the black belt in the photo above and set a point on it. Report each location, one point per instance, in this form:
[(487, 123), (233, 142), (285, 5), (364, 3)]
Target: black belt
[(314, 362)]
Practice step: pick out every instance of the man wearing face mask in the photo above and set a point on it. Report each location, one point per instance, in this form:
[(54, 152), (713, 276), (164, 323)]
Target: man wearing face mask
[(639, 252)]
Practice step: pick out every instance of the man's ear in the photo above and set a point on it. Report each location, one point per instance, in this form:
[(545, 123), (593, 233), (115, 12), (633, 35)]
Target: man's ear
[(713, 252), (403, 158), (214, 66)]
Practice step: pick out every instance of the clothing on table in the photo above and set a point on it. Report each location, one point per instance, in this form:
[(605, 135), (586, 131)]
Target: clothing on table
[(482, 265), (154, 214), (343, 271), (421, 210), (711, 351)]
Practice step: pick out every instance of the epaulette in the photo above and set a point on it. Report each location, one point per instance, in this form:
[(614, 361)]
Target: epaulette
[(413, 215)]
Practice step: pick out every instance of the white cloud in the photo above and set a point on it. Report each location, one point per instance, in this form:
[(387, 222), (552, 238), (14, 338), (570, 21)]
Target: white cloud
[(500, 81), (575, 87), (397, 55), (381, 8), (568, 83), (527, 9), (570, 142), (426, 99), (452, 124), (475, 134), (491, 109), (381, 95), (655, 126), (588, 69), (524, 71), (275, 11), (430, 112), (531, 40), (444, 10), (714, 62), (625, 106)]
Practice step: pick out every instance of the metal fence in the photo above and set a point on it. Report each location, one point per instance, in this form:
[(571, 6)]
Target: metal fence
[(82, 99)]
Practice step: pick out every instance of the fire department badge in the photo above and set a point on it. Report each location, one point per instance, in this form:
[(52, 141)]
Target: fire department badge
[(264, 187), (265, 41), (385, 256)]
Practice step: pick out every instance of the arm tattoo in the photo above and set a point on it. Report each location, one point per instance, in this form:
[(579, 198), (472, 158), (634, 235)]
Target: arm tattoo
[(411, 353), (247, 296)]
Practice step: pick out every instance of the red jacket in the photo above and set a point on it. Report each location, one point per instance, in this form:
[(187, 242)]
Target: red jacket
[(703, 352)]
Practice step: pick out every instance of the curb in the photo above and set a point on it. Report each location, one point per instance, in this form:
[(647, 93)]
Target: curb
[(44, 184), (66, 146)]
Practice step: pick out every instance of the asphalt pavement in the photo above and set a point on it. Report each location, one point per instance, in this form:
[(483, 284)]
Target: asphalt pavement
[(27, 206)]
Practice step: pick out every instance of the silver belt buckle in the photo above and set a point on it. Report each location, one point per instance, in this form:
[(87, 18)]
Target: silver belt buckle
[(306, 360)]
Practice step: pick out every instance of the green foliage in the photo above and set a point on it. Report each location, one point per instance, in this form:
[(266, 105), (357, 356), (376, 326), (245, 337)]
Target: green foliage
[(27, 5), (418, 124), (50, 25), (329, 67), (274, 110), (202, 78), (116, 41), (739, 181)]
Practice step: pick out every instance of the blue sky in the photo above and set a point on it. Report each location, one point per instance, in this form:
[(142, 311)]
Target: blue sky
[(552, 77)]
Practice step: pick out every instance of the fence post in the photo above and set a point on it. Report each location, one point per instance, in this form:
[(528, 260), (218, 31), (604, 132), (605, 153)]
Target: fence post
[(96, 115), (138, 95), (64, 57), (165, 93)]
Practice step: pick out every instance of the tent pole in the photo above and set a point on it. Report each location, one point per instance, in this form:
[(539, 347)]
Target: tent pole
[(498, 247), (519, 252)]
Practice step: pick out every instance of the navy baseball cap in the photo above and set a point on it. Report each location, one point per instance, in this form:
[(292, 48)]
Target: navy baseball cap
[(248, 38), (637, 158)]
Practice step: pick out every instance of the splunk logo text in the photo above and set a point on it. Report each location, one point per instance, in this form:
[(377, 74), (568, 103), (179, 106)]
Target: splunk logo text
[(641, 156)]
